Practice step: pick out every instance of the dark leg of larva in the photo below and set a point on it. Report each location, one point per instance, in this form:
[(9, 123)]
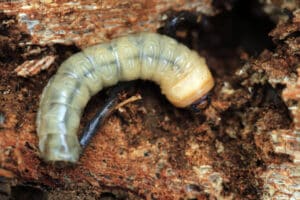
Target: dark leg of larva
[(99, 118)]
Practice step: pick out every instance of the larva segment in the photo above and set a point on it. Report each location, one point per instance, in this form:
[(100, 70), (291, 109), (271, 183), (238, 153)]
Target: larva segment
[(59, 147), (181, 73), (128, 54), (68, 91), (194, 79), (105, 65), (79, 66), (167, 72), (149, 54)]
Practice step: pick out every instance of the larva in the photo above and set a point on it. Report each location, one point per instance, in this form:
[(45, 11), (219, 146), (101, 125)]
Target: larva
[(182, 75)]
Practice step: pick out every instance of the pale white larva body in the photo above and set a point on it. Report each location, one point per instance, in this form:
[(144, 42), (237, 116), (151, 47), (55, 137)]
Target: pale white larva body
[(182, 75)]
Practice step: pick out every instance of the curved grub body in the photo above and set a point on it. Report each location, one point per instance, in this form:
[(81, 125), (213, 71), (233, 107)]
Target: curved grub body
[(182, 75)]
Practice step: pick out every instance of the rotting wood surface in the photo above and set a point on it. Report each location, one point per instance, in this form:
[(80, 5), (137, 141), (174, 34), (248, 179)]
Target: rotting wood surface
[(88, 22)]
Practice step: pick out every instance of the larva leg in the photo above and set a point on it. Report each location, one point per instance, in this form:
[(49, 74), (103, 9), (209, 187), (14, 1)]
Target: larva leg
[(99, 118)]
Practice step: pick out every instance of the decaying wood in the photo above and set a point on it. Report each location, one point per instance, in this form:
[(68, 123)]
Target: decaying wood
[(281, 180), (33, 67), (86, 22)]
